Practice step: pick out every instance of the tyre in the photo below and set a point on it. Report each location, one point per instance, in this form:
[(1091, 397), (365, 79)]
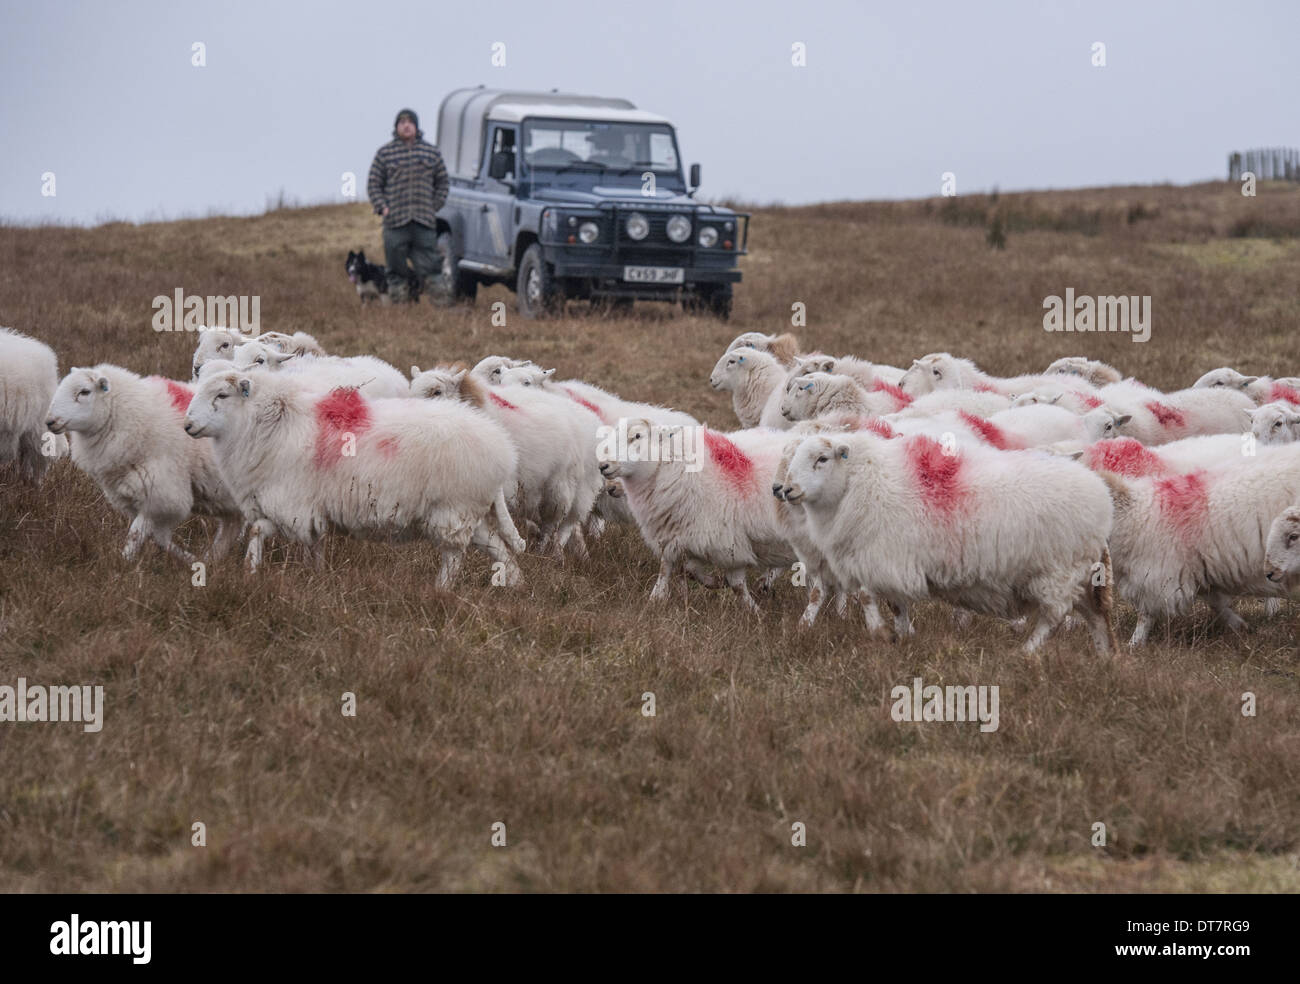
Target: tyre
[(537, 293), (452, 284)]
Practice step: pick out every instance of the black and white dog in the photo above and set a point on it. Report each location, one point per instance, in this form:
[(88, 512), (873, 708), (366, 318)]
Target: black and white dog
[(371, 280)]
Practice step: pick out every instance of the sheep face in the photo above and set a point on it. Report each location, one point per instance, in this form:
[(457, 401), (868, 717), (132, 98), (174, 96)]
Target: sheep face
[(80, 403), (816, 473), (529, 375), (932, 372), (215, 343), (629, 456), (1044, 394), (1226, 378), (491, 368), (1274, 423), (437, 384), (1282, 550), (802, 394), (1105, 423), (216, 403), (732, 367), (258, 355)]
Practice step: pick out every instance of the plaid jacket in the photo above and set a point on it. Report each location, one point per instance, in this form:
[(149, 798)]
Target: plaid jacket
[(411, 180)]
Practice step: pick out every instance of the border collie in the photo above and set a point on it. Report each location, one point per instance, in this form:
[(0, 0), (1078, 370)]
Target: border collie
[(371, 279)]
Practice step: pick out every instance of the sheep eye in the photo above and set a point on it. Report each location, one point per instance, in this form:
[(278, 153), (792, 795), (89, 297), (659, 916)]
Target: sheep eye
[(822, 460), (222, 396), (84, 393), (938, 374)]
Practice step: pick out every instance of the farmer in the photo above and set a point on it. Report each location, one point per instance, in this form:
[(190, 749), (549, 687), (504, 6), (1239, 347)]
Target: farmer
[(408, 184)]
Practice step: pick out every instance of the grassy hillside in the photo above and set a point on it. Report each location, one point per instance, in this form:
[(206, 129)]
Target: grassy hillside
[(523, 705)]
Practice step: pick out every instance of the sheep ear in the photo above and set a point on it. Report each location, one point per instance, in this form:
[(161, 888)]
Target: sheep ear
[(1293, 419), (1250, 414), (245, 386), (1055, 399), (1247, 380), (102, 382), (415, 371), (1075, 455), (842, 451), (1120, 421), (457, 377)]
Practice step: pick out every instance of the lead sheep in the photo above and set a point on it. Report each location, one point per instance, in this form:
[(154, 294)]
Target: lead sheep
[(300, 463), (722, 515), (1158, 418), (1199, 534), (126, 433), (1003, 533), (29, 375)]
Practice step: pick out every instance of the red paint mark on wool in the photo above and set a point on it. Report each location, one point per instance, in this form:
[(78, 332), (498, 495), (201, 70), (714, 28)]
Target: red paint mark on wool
[(731, 461), (937, 475), (879, 427), (1090, 401), (586, 403), (388, 447), (1283, 392), (179, 394), (1125, 456), (503, 404), (1165, 415), (984, 388), (901, 399), (1184, 502), (989, 432), (343, 413)]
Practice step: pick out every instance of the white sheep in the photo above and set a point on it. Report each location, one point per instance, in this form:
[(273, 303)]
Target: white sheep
[(608, 407), (1275, 423), (491, 368), (558, 479), (1076, 401), (866, 374), (755, 380), (1131, 458), (299, 343), (1199, 534), (29, 375), (1005, 533), (784, 348), (1261, 389), (126, 433), (1158, 418), (819, 393), (940, 370), (301, 463), (1096, 373), (215, 343), (702, 499), (374, 377)]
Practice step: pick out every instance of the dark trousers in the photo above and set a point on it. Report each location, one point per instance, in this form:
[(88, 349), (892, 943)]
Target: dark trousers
[(416, 243)]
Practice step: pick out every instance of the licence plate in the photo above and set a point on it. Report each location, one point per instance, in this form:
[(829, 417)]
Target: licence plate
[(654, 275)]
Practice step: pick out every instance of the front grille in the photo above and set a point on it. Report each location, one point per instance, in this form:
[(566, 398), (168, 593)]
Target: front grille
[(658, 229), (654, 257)]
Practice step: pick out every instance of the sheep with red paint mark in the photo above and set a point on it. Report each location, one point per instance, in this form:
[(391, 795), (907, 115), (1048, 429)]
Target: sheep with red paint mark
[(301, 463), (819, 393), (126, 433), (1054, 394), (607, 406), (1005, 533), (29, 375), (1261, 389), (943, 371), (1158, 418), (704, 502), (557, 478), (221, 343), (372, 376), (1199, 534)]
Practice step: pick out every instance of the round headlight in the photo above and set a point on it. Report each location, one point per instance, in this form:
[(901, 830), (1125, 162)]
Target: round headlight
[(679, 228), (637, 226), (708, 236), (588, 232)]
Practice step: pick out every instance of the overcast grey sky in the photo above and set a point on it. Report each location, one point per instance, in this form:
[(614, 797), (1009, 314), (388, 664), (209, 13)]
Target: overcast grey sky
[(892, 95)]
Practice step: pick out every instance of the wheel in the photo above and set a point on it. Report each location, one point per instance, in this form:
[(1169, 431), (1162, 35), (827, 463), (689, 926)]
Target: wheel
[(537, 292), (452, 283), (714, 300)]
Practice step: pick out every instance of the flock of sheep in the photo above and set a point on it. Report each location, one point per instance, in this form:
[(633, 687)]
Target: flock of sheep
[(1041, 495)]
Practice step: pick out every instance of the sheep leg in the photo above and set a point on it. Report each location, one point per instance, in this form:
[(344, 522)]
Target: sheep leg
[(595, 525), (261, 529), (505, 523), (816, 595), (451, 558), (1141, 631), (737, 582), (663, 583), (764, 584), (135, 537), (495, 547), (870, 610), (902, 619), (224, 538), (702, 574), (841, 603), (1222, 606), (578, 542)]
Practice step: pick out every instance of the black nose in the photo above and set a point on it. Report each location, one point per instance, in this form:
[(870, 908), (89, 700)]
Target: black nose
[(604, 467), (787, 490), (776, 489), (49, 424)]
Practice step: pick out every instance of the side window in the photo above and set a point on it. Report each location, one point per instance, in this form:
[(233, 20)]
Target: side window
[(501, 160)]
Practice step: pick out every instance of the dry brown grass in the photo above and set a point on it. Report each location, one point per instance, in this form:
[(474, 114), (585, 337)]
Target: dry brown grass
[(483, 704)]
